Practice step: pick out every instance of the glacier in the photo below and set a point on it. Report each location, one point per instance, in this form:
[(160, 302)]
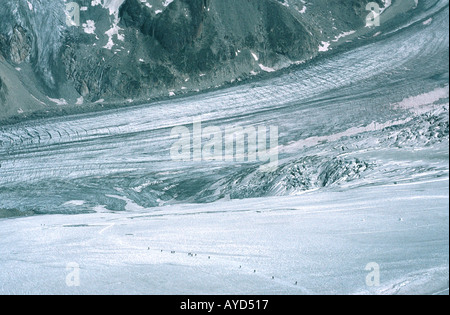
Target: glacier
[(362, 178)]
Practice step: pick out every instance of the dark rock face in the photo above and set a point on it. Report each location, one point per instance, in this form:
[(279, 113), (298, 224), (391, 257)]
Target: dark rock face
[(182, 25), (3, 93), (140, 50), (203, 35), (194, 44), (32, 33), (20, 45)]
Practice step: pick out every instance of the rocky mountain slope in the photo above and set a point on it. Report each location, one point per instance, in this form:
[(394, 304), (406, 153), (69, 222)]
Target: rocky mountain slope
[(124, 51)]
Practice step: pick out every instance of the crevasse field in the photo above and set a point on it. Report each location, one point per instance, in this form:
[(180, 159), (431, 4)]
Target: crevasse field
[(362, 179)]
